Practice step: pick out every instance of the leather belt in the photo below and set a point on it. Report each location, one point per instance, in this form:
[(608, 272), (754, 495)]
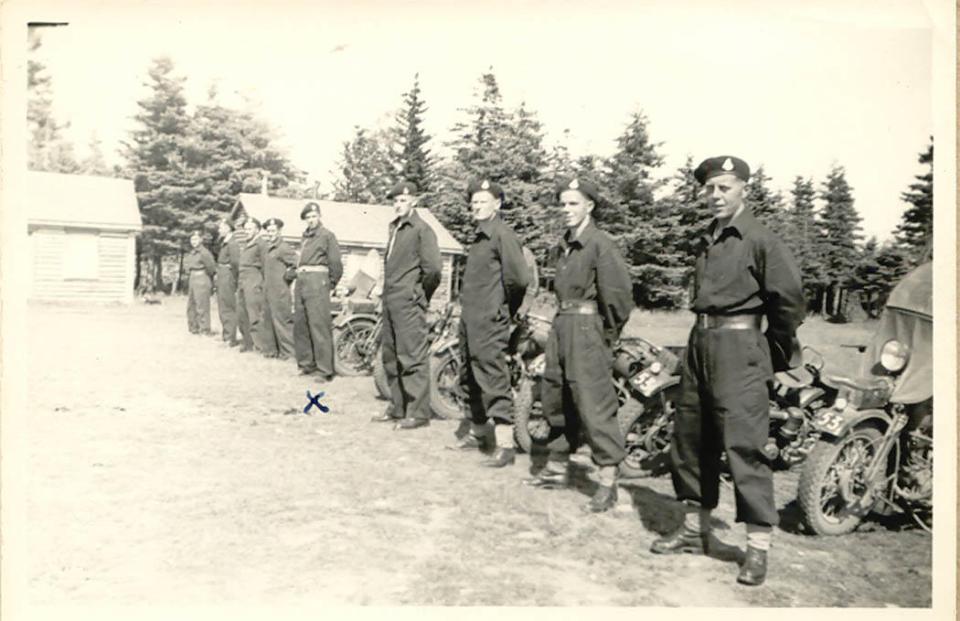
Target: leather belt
[(728, 322), (198, 269), (577, 307), (313, 268)]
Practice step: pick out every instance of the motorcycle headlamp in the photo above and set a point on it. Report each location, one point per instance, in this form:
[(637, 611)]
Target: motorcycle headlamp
[(894, 356), (656, 367)]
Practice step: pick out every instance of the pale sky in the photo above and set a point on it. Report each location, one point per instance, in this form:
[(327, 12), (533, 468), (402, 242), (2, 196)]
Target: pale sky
[(793, 86)]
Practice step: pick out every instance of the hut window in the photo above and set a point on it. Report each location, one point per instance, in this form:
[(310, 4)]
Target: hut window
[(81, 256)]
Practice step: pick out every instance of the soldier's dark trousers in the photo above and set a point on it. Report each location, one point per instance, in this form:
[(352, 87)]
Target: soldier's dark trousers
[(198, 302), (227, 302), (281, 313), (484, 376), (405, 355), (251, 286), (723, 406), (268, 338), (313, 323), (578, 382)]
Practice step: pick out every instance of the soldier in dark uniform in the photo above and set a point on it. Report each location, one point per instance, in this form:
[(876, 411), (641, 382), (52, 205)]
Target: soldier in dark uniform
[(743, 273), (495, 280), (279, 269), (238, 241), (595, 297), (227, 284), (251, 284), (318, 273), (411, 274), (200, 266)]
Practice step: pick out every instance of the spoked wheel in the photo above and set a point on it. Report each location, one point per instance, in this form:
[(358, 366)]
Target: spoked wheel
[(353, 347), (446, 400), (647, 428), (833, 486), (530, 426)]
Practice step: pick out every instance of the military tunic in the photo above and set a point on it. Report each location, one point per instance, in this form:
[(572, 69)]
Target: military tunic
[(595, 296), (227, 289), (279, 303), (312, 320), (251, 284), (411, 275), (748, 273), (238, 242), (495, 279), (201, 267)]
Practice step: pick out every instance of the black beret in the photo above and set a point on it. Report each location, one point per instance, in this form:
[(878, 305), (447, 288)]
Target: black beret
[(404, 187), (228, 223), (722, 165), (199, 232), (254, 220), (275, 221), (583, 186), (309, 208), (484, 185)]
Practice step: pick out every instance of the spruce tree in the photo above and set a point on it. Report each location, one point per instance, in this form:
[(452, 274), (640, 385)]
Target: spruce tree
[(841, 234), (804, 238), (764, 202), (364, 172), (915, 230), (411, 156), (47, 148)]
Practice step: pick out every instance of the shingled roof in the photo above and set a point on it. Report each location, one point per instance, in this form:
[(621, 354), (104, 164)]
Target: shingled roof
[(353, 223), (82, 200)]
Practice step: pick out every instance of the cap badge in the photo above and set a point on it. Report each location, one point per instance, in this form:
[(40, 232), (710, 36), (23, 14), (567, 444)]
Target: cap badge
[(406, 190), (574, 185), (485, 185), (727, 164)]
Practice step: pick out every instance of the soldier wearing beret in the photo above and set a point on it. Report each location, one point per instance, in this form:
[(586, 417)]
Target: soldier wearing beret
[(595, 298), (743, 273), (227, 283), (495, 279), (200, 267), (318, 272), (251, 283), (411, 274), (237, 243), (279, 264)]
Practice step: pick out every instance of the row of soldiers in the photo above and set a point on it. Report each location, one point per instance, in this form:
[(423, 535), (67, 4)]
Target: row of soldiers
[(743, 274)]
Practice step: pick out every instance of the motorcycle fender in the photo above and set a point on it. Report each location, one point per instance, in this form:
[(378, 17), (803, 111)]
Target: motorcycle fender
[(836, 424), (345, 318), (657, 384), (809, 395)]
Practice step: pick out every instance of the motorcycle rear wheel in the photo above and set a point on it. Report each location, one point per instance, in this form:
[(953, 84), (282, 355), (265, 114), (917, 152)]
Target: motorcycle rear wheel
[(653, 417), (445, 399), (832, 476), (349, 347)]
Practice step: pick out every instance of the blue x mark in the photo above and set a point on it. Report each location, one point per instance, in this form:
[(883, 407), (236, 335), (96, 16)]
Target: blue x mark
[(315, 401)]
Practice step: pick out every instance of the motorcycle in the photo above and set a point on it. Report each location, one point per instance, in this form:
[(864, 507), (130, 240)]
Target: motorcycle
[(356, 337), (874, 452)]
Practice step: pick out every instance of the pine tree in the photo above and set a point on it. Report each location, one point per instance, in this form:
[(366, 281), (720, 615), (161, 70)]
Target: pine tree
[(766, 204), (804, 239), (365, 171), (841, 235), (880, 269), (94, 163), (915, 231), (47, 149), (412, 158)]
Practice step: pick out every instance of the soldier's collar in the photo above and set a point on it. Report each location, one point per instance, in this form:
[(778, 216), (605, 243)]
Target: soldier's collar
[(582, 237), (407, 219), (742, 221), (485, 227)]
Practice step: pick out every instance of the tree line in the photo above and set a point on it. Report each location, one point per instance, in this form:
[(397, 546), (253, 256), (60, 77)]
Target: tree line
[(189, 166)]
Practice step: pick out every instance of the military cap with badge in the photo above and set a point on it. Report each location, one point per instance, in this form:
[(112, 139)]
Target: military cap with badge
[(403, 187), (722, 165)]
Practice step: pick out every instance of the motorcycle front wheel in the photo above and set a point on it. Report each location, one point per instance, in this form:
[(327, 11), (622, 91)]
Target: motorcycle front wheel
[(445, 399), (352, 351), (647, 427), (832, 481), (529, 425)]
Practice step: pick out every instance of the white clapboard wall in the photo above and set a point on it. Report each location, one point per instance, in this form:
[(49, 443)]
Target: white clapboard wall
[(82, 265)]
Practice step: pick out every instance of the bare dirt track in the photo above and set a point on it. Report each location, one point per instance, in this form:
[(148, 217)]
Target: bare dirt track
[(164, 467)]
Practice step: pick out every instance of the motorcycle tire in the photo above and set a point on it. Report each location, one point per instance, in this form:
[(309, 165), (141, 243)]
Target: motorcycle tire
[(819, 472), (444, 377), (347, 358), (380, 375), (636, 416), (529, 427)]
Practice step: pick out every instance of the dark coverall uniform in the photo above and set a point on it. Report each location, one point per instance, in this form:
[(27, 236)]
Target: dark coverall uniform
[(411, 275), (495, 280), (201, 267), (279, 303), (251, 286), (595, 297), (742, 275), (238, 242), (318, 273), (227, 288)]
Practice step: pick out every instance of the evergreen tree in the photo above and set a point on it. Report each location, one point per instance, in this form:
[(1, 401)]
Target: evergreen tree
[(804, 238), (365, 171), (47, 149), (880, 269), (841, 234), (766, 204), (94, 163), (915, 231), (412, 157)]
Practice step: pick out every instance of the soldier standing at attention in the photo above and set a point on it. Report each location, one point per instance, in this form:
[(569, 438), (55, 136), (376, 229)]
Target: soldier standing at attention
[(595, 297), (279, 265), (743, 273), (411, 274), (251, 283), (238, 241), (200, 266), (227, 285), (495, 280), (318, 273)]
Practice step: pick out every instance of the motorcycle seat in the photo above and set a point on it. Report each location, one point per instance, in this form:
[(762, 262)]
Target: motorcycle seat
[(858, 383), (794, 378)]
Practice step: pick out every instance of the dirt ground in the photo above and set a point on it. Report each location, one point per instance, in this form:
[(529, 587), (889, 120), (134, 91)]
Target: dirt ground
[(163, 467)]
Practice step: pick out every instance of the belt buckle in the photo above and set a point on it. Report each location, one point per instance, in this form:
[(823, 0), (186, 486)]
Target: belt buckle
[(703, 321)]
